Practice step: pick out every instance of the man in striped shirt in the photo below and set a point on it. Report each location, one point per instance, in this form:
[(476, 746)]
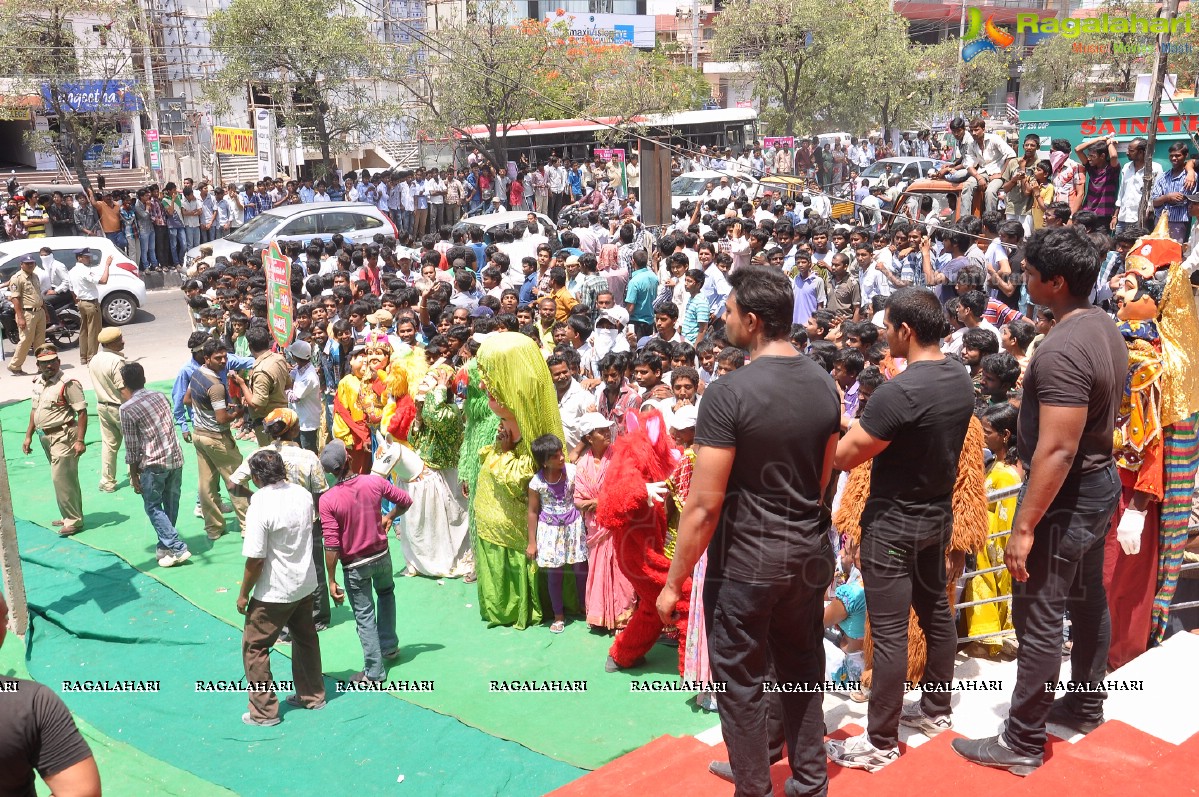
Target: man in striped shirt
[(155, 460)]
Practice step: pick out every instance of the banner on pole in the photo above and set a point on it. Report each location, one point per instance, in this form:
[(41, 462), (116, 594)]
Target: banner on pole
[(278, 294), (153, 145)]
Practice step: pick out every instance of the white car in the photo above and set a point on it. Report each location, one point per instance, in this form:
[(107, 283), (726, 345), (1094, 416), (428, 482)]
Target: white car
[(119, 297), (357, 222), (690, 186), (494, 221)]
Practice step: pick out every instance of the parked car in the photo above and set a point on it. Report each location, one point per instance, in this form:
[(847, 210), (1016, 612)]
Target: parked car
[(119, 297), (907, 169), (358, 222), (690, 186), (491, 222)]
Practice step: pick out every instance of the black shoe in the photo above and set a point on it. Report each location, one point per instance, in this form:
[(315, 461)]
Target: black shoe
[(1060, 714), (611, 666), (321, 626), (360, 677), (990, 753), (722, 770)]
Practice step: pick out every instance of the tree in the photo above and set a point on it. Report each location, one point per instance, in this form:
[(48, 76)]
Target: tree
[(75, 54), (494, 71), (804, 52), (1072, 71), (315, 61)]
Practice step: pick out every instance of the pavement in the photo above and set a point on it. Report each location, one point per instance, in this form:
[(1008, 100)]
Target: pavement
[(157, 338)]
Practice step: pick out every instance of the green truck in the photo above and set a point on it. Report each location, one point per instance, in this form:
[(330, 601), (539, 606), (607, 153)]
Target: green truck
[(1124, 120)]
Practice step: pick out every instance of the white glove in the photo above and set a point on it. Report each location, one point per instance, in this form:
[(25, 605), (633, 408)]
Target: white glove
[(657, 492), (1128, 533)]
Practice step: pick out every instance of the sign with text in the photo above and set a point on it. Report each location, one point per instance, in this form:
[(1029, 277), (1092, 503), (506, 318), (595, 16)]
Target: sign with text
[(152, 149), (14, 113), (234, 141), (637, 30), (786, 142), (278, 294), (610, 155), (264, 128), (88, 96)]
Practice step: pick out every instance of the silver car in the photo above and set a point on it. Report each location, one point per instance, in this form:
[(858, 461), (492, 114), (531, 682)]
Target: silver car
[(905, 168), (358, 222)]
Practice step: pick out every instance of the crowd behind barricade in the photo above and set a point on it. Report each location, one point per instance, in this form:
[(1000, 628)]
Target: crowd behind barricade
[(528, 407)]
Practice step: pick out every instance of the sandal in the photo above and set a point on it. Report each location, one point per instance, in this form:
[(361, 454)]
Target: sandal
[(557, 627)]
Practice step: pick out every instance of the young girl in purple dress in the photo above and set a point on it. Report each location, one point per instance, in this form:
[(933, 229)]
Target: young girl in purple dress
[(557, 537)]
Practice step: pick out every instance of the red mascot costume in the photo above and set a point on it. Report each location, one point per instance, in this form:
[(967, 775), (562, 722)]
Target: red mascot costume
[(641, 456)]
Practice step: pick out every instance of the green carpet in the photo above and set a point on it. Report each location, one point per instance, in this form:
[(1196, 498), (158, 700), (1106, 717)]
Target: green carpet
[(123, 769), (441, 634), (97, 618)]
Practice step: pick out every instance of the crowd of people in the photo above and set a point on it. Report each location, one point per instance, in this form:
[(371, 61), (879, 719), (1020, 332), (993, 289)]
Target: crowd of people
[(470, 395)]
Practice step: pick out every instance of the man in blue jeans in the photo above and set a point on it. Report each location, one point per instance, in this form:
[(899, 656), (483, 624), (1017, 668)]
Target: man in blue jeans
[(355, 536), (1072, 391), (155, 460)]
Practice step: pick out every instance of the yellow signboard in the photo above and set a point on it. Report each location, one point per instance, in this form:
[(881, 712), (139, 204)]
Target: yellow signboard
[(233, 141), (10, 113)]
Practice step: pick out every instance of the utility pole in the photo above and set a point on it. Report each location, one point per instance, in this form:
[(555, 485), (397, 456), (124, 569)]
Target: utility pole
[(1160, 60), (695, 35), (148, 68), (961, 63)]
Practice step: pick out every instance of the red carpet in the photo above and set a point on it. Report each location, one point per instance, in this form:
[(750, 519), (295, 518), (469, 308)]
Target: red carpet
[(1114, 761)]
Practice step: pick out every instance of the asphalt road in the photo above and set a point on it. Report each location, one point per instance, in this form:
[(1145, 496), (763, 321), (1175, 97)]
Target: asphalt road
[(157, 338)]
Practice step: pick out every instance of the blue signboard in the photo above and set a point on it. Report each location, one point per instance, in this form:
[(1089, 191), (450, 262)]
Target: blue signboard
[(95, 95)]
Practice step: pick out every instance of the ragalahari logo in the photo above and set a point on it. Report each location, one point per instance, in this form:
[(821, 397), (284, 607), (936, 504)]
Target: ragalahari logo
[(980, 38)]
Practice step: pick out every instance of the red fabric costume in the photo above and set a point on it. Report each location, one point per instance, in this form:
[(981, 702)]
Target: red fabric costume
[(642, 455)]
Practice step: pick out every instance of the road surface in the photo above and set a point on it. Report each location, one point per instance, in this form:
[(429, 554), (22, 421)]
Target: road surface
[(157, 339)]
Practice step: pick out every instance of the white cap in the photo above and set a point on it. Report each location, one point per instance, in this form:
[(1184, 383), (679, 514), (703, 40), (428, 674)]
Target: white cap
[(684, 417), (300, 349), (590, 421), (617, 315)]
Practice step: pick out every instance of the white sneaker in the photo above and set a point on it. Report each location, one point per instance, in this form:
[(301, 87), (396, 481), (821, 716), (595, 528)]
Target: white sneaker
[(913, 716), (170, 560), (857, 752), (199, 512)]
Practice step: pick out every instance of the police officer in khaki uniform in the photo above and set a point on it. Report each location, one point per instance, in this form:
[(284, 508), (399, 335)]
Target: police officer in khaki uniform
[(105, 369), (59, 416), (25, 293), (270, 379)]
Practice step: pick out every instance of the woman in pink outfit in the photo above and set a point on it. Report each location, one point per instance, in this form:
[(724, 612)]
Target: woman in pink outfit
[(609, 594)]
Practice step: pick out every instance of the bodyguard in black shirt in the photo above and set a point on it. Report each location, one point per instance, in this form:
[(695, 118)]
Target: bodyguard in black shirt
[(913, 429), (1055, 553), (764, 448), (37, 733)]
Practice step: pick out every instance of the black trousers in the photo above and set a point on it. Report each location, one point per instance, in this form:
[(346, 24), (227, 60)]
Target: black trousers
[(162, 245), (750, 628), (903, 568), (1065, 572)]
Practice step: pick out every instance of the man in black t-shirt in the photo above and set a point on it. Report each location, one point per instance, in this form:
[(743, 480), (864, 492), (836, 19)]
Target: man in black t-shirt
[(913, 429), (1072, 392), (37, 733), (764, 444)]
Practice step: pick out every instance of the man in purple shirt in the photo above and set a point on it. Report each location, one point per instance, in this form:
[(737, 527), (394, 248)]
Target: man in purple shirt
[(1103, 177), (355, 536)]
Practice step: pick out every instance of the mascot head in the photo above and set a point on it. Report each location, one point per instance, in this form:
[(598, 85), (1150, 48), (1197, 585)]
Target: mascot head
[(1138, 297), (648, 443)]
